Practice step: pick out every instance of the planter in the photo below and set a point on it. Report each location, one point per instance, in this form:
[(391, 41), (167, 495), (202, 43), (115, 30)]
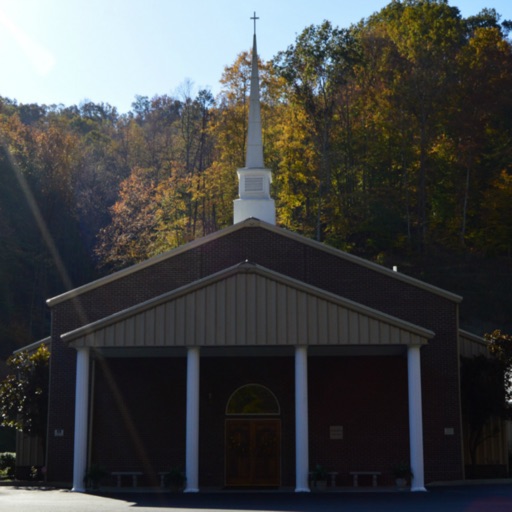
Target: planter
[(403, 474), (94, 476), (175, 480), (319, 477), (401, 483), (320, 485)]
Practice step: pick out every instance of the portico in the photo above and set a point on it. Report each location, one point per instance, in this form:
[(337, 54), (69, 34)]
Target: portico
[(260, 311)]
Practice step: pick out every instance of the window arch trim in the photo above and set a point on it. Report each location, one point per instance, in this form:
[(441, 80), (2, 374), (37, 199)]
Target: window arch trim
[(253, 400)]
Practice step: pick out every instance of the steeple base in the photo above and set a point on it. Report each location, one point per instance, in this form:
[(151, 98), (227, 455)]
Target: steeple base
[(262, 209)]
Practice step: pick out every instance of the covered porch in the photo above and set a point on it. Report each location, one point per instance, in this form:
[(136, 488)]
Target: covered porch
[(240, 318)]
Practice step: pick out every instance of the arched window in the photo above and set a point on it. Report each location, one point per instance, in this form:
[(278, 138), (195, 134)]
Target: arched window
[(252, 399)]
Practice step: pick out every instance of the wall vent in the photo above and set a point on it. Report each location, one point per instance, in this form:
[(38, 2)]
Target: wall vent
[(254, 183)]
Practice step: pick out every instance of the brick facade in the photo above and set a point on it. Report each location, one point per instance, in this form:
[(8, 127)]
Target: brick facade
[(367, 395)]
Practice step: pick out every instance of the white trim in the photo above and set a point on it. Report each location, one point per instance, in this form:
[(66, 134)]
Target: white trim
[(473, 337), (243, 414), (32, 347)]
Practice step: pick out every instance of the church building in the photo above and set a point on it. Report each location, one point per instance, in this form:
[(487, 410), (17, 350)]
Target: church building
[(252, 355)]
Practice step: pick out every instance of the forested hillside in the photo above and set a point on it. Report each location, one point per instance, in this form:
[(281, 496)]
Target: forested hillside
[(391, 139)]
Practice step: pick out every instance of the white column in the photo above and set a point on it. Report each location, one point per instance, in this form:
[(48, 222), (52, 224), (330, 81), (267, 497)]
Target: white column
[(81, 421), (415, 417), (192, 436), (301, 420)]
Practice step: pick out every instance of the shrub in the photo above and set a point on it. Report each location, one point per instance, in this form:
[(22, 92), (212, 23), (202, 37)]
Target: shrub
[(7, 463)]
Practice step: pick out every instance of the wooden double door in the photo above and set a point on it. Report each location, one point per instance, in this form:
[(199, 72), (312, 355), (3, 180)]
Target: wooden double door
[(253, 453)]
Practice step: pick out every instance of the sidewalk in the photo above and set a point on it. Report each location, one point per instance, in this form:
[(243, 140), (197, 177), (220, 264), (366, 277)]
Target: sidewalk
[(491, 497)]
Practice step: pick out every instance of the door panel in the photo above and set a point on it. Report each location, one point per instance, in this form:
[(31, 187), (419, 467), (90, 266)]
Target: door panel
[(253, 453), (238, 440)]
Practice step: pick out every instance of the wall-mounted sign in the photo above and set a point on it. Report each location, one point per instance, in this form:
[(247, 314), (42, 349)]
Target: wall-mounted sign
[(336, 432)]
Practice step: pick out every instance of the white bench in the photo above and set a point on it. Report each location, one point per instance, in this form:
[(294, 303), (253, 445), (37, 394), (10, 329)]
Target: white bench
[(373, 474), (333, 475), (119, 475)]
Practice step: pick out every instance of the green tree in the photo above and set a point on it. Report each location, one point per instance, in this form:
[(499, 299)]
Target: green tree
[(24, 392), (426, 36), (316, 70)]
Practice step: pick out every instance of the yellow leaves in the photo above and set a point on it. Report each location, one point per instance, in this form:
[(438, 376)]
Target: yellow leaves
[(485, 39), (499, 196), (500, 345)]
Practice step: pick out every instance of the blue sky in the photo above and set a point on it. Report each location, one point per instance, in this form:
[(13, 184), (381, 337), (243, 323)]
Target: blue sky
[(68, 51)]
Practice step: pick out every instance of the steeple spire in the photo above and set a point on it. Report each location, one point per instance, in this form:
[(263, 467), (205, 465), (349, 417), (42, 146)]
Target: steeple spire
[(254, 179), (254, 155)]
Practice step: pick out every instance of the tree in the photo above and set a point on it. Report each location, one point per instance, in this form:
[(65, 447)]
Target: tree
[(426, 36), (129, 237), (480, 129), (316, 70), (483, 397), (24, 392), (485, 388), (495, 234), (500, 346)]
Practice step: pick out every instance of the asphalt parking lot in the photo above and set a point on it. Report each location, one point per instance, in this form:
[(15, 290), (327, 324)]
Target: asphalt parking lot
[(474, 498)]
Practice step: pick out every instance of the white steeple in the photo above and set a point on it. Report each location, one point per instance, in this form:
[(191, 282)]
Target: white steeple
[(254, 179)]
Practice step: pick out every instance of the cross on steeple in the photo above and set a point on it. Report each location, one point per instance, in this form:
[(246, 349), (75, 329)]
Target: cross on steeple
[(254, 17)]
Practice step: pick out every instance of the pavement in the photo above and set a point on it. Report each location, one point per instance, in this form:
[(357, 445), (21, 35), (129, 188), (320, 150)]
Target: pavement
[(496, 497)]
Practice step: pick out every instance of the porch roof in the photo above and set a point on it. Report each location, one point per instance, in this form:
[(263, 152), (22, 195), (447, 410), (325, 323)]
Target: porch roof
[(247, 305)]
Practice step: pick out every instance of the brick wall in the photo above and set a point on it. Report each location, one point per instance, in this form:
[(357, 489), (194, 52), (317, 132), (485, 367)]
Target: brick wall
[(367, 396), (139, 413), (300, 261)]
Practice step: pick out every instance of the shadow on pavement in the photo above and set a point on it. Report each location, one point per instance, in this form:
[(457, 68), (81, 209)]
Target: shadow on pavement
[(489, 498)]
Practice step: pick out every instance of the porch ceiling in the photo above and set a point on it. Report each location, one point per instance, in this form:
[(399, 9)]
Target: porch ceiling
[(247, 305)]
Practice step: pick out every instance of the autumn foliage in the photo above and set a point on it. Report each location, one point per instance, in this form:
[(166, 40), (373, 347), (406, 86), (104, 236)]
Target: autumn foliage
[(389, 139)]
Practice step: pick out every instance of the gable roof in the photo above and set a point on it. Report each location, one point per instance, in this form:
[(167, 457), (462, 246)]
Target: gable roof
[(250, 223), (32, 347), (471, 345), (247, 305)]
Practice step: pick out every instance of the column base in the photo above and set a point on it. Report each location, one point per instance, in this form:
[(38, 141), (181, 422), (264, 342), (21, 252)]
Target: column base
[(302, 489), (418, 489), (191, 490), (78, 489)]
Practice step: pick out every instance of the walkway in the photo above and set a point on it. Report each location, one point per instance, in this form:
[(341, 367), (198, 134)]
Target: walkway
[(474, 498)]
